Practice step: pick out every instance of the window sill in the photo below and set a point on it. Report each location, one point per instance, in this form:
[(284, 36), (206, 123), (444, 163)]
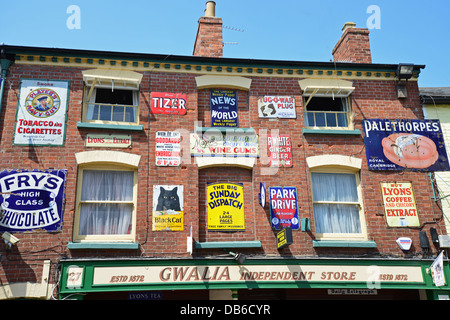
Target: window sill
[(355, 132), (88, 125), (103, 245), (343, 244), (228, 244)]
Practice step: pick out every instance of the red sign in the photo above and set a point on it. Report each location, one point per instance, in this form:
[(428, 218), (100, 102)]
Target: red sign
[(280, 151), (168, 103)]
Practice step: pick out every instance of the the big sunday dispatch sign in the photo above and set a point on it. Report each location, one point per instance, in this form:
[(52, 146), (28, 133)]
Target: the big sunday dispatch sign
[(405, 144), (225, 206), (224, 111), (32, 200)]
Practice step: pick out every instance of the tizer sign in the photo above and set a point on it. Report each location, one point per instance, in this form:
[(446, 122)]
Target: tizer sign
[(168, 103)]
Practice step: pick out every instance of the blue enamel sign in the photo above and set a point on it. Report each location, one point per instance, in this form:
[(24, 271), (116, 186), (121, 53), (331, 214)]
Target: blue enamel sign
[(405, 144), (224, 111), (32, 200), (283, 207)]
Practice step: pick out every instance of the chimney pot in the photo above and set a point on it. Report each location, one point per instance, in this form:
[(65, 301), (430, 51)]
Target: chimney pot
[(209, 39), (210, 10), (348, 25)]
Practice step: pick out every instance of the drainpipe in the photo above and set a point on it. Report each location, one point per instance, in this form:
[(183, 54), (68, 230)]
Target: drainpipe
[(5, 64)]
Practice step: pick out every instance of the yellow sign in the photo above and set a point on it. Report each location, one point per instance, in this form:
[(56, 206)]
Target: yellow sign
[(399, 204), (225, 206)]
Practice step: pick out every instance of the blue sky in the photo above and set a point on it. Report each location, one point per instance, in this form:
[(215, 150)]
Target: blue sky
[(411, 31)]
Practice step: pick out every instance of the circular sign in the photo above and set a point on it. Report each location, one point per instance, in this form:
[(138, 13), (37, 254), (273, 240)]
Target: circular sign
[(42, 102)]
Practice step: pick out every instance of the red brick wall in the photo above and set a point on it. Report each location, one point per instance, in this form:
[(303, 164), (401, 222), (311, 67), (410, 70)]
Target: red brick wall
[(371, 99)]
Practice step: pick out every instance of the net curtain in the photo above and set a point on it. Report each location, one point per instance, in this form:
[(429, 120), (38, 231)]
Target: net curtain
[(335, 217), (106, 218)]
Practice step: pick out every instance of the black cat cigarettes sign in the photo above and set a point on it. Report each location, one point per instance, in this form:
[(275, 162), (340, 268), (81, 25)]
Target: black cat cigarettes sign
[(168, 211)]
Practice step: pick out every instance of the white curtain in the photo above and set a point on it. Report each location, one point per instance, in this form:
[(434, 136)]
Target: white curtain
[(106, 218), (332, 217)]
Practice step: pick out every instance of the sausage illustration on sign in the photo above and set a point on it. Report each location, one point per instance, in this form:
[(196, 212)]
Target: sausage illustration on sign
[(410, 150)]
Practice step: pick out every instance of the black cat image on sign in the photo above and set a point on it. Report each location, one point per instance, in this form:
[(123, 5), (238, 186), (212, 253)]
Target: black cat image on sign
[(167, 208)]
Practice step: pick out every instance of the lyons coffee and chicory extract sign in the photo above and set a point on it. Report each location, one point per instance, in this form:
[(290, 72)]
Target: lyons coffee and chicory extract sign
[(405, 144), (399, 204), (283, 207), (224, 111), (41, 113), (225, 206), (168, 103), (32, 200)]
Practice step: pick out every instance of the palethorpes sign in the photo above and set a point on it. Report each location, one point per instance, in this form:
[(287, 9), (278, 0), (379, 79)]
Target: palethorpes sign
[(32, 200), (405, 144)]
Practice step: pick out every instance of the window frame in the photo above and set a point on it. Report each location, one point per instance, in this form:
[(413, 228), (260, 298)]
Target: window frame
[(348, 114), (104, 237), (90, 93), (333, 168)]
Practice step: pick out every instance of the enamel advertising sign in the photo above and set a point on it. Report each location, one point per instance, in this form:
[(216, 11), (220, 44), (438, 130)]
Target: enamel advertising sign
[(32, 200), (41, 113), (225, 207), (168, 212), (277, 107), (283, 207), (224, 112), (280, 151), (168, 148), (168, 103), (216, 144), (405, 144), (399, 204)]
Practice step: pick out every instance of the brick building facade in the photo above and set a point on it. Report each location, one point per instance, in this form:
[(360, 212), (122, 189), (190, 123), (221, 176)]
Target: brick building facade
[(120, 109)]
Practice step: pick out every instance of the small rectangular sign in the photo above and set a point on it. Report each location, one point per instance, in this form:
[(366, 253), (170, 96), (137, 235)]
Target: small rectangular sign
[(399, 204), (168, 103), (168, 148), (277, 107), (280, 151), (168, 212), (224, 112), (108, 140), (284, 238), (283, 207)]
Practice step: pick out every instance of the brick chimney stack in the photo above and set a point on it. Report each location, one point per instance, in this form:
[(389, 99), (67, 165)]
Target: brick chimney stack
[(209, 40), (353, 46)]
